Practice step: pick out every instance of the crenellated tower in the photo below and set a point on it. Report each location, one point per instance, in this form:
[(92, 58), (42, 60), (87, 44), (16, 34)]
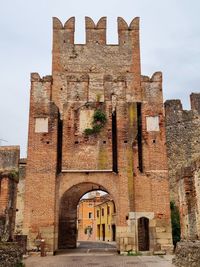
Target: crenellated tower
[(96, 123), (95, 60)]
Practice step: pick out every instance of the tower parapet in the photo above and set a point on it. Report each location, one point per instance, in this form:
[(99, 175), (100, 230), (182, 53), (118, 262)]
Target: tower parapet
[(195, 102), (95, 58), (95, 33), (127, 33)]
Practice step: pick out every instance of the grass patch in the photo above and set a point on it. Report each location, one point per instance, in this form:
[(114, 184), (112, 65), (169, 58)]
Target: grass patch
[(132, 253)]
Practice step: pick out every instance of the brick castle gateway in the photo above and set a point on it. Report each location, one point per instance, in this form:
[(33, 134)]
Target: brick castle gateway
[(97, 123)]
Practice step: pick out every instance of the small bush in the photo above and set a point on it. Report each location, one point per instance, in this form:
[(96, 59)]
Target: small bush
[(88, 131), (99, 120), (132, 253), (99, 116), (175, 220)]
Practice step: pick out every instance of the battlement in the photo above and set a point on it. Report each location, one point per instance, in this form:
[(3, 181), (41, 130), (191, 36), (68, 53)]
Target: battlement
[(96, 60), (156, 77), (96, 33), (171, 106), (35, 77), (9, 158), (195, 101)]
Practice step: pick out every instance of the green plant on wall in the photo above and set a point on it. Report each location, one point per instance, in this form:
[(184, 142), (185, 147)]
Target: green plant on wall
[(175, 219), (14, 175), (99, 120)]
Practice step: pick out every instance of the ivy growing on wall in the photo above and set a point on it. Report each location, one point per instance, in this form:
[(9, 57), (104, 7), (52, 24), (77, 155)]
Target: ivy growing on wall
[(99, 120)]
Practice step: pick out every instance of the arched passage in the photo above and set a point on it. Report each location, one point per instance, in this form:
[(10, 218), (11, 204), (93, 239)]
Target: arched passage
[(67, 229)]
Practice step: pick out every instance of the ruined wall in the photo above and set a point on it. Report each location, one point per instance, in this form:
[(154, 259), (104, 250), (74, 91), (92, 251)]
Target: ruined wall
[(20, 198), (9, 159), (183, 137), (187, 254), (188, 185), (126, 158)]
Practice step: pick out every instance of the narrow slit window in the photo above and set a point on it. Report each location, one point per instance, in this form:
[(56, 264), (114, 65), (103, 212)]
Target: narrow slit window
[(114, 141), (139, 136)]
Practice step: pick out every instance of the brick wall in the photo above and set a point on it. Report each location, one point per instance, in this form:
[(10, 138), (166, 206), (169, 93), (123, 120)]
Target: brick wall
[(9, 160), (20, 197), (127, 158), (187, 179), (183, 131)]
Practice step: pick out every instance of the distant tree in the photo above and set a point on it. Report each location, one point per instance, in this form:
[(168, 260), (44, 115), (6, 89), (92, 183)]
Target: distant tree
[(175, 219)]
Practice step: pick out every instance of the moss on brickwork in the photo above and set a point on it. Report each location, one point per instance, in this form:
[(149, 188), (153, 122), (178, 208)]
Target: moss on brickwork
[(129, 154), (103, 158), (132, 114)]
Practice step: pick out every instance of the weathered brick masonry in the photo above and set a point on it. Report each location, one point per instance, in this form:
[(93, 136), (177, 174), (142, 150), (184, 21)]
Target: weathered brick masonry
[(183, 137), (9, 160), (20, 197), (183, 148), (187, 179), (127, 158)]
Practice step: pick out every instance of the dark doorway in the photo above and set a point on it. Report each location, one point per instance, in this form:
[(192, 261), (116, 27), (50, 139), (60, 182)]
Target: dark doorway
[(98, 232), (143, 234), (103, 232), (113, 232)]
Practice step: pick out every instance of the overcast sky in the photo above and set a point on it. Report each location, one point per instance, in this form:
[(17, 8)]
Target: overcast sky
[(169, 36)]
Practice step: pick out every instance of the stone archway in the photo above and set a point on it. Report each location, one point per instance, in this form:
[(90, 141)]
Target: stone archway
[(67, 226)]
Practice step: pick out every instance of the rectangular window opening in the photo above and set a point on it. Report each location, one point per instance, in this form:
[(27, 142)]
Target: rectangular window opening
[(108, 210), (97, 213), (102, 212)]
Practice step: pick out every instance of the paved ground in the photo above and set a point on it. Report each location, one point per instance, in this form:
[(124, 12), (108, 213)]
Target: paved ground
[(95, 244), (99, 261), (100, 254), (91, 247)]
